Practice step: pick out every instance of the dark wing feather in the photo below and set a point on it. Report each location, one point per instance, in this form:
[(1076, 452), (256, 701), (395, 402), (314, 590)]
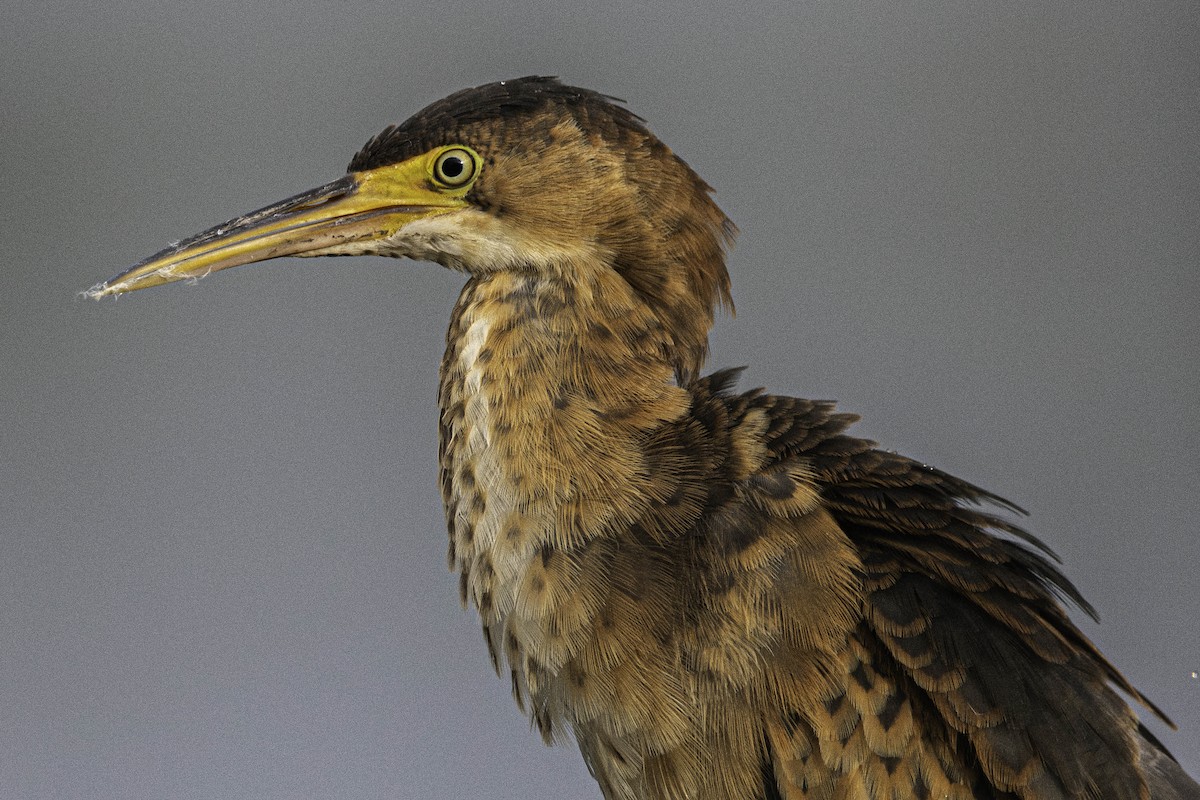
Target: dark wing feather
[(964, 605)]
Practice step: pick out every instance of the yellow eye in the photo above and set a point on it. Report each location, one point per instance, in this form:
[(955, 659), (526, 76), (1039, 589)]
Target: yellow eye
[(455, 167)]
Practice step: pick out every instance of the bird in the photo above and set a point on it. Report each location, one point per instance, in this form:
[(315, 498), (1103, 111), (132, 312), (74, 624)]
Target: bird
[(718, 594)]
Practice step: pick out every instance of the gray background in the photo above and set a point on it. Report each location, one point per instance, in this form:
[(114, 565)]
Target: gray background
[(222, 556)]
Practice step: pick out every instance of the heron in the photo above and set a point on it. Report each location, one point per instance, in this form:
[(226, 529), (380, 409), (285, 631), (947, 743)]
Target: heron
[(718, 594)]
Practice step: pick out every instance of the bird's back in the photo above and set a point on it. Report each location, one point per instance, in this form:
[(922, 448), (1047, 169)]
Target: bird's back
[(953, 669)]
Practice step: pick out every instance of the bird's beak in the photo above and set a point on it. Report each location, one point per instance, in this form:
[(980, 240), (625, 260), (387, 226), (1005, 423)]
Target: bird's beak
[(349, 216)]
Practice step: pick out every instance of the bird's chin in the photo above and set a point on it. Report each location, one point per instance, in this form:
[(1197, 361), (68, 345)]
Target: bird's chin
[(474, 242)]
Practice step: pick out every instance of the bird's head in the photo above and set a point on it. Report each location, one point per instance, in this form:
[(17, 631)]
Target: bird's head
[(526, 175)]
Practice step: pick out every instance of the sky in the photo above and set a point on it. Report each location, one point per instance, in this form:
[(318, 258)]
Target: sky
[(222, 552)]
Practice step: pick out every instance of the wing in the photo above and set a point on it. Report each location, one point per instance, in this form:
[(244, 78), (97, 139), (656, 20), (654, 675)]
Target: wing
[(964, 642)]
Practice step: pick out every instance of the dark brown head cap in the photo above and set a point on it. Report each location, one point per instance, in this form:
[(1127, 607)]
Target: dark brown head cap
[(442, 122)]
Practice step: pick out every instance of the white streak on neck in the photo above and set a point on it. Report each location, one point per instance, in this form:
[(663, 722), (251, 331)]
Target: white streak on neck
[(476, 398), (507, 563)]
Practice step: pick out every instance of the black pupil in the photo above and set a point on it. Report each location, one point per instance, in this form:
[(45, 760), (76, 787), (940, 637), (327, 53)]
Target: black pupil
[(453, 167)]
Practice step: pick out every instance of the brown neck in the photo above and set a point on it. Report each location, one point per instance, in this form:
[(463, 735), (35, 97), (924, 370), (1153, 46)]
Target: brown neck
[(548, 389)]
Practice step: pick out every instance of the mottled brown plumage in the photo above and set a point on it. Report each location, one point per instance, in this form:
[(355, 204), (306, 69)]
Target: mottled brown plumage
[(720, 595)]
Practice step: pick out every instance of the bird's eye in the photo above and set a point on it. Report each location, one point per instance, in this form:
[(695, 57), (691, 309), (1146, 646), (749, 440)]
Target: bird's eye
[(455, 167)]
